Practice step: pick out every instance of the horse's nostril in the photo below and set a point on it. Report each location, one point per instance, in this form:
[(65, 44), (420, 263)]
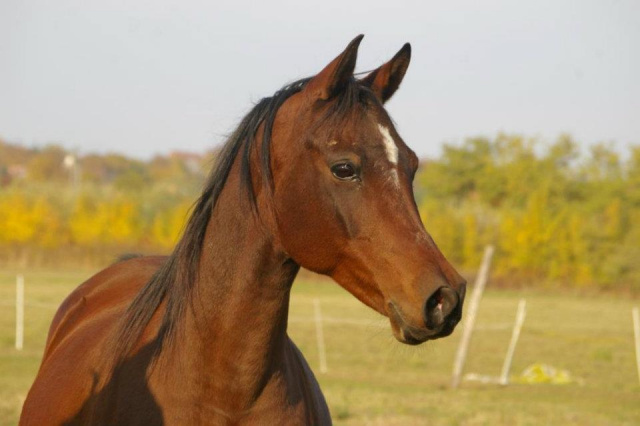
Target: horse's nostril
[(438, 306)]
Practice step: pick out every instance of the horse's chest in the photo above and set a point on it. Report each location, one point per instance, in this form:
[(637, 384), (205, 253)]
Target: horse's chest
[(286, 399)]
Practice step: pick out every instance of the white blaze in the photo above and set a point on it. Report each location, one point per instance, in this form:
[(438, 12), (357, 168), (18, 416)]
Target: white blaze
[(389, 144), (392, 151)]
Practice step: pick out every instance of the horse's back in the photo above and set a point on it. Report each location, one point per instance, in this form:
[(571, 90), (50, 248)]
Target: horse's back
[(112, 288), (75, 354)]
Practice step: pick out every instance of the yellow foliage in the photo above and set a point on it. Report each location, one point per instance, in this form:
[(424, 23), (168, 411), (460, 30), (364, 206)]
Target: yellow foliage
[(50, 232), (471, 249), (443, 230), (114, 222), (613, 219), (168, 224), (88, 222), (19, 221), (123, 222)]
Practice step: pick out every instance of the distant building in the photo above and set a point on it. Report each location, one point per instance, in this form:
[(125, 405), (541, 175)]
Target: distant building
[(17, 171), (12, 173), (193, 162)]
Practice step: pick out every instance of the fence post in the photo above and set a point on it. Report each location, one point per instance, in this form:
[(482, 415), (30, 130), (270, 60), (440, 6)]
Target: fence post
[(322, 355), (470, 317), (19, 312), (635, 313), (517, 326)]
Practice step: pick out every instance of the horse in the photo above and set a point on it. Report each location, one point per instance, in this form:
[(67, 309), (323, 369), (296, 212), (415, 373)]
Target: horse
[(315, 176)]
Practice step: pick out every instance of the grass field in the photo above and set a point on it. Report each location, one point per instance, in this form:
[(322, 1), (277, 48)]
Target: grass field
[(372, 379)]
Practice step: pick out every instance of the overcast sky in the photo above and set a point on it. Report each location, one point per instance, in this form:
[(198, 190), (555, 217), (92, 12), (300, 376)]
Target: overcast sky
[(144, 77)]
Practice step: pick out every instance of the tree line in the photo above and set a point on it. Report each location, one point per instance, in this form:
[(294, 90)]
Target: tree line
[(556, 215)]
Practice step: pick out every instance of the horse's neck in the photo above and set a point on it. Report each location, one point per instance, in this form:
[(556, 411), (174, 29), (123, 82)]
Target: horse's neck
[(235, 326)]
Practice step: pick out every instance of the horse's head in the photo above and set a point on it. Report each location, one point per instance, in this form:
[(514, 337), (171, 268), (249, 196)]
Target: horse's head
[(344, 204)]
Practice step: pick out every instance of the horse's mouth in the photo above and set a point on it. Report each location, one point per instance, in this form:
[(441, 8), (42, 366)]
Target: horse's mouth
[(411, 335)]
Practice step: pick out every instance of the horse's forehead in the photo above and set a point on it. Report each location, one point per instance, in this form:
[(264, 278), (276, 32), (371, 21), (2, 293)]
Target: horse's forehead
[(369, 132)]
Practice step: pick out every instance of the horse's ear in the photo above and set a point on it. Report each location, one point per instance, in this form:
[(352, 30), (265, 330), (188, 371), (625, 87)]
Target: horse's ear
[(334, 77), (384, 81)]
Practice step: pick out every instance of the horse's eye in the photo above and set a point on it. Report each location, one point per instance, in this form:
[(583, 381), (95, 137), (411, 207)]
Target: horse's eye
[(344, 171)]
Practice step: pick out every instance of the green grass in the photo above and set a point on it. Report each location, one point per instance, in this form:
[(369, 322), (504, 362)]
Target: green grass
[(372, 379)]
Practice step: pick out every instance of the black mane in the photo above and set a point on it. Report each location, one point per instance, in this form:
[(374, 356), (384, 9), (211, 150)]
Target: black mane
[(176, 278)]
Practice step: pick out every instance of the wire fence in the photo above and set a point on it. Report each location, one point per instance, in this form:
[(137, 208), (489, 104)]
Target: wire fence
[(319, 320)]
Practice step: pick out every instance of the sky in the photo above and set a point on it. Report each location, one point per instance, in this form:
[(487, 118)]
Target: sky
[(147, 77)]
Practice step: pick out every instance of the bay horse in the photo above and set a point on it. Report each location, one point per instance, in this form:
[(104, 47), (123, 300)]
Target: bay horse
[(315, 176)]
